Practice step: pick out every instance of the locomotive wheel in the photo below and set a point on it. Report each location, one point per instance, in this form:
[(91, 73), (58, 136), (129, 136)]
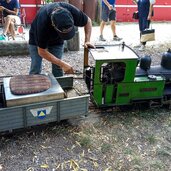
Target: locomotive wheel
[(125, 108)]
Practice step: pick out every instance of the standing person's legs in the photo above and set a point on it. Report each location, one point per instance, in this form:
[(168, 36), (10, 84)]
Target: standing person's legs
[(104, 17), (112, 19), (143, 24), (102, 25), (58, 52), (36, 60), (113, 27)]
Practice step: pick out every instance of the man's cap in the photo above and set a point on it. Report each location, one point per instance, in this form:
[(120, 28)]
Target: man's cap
[(63, 23)]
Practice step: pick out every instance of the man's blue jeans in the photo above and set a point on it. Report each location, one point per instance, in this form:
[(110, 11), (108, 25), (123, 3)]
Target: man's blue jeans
[(36, 60)]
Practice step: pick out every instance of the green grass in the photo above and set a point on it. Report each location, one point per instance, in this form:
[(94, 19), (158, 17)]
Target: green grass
[(152, 139), (106, 147)]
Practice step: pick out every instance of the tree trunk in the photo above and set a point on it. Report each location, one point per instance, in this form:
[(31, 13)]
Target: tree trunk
[(13, 48), (74, 43)]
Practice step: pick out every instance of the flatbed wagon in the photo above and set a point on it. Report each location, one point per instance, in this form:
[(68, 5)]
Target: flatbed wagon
[(29, 113)]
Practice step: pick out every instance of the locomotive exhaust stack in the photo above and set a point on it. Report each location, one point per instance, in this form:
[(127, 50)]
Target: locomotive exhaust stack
[(166, 60)]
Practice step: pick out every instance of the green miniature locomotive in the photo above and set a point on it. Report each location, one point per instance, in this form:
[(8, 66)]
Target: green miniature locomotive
[(120, 77)]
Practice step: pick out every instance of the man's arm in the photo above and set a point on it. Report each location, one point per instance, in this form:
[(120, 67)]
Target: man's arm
[(51, 58), (150, 12), (13, 12), (110, 6), (152, 2)]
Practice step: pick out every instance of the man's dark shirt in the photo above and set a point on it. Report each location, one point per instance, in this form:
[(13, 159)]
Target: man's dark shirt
[(11, 5), (42, 33)]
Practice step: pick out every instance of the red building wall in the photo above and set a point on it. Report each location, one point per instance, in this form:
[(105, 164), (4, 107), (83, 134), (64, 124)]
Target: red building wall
[(31, 7)]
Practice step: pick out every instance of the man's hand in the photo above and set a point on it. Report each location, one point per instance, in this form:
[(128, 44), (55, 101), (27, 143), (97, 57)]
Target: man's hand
[(110, 7), (51, 58), (149, 17), (67, 68), (88, 45), (134, 1), (1, 8)]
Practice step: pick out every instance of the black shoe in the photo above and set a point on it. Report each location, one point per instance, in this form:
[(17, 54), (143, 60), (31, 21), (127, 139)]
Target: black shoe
[(101, 38), (116, 38)]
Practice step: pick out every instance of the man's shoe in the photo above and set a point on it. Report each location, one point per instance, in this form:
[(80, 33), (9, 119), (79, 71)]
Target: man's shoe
[(101, 38), (116, 38), (138, 46), (3, 37), (142, 48)]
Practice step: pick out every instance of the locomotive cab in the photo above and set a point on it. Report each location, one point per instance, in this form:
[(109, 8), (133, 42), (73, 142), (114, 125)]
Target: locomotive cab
[(112, 65)]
